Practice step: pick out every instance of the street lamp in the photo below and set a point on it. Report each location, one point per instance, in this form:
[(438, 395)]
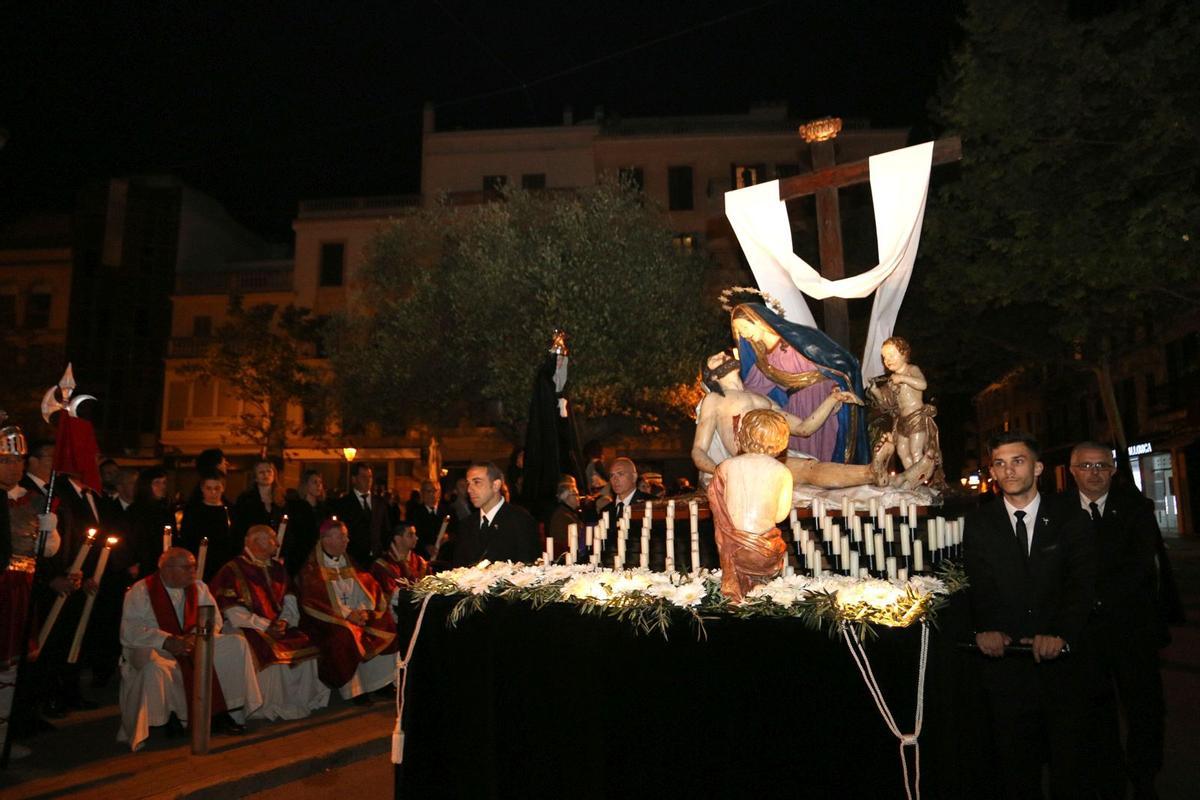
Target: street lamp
[(349, 453)]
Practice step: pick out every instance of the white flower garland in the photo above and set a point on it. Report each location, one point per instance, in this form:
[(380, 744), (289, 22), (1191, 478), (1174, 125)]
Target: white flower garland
[(648, 598)]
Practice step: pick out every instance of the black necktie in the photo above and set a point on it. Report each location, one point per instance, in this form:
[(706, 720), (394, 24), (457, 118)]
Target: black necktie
[(483, 522), (620, 509), (1095, 512), (1022, 533), (366, 507)]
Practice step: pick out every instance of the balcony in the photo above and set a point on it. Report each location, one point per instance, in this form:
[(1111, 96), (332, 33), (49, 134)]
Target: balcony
[(255, 277), (382, 206)]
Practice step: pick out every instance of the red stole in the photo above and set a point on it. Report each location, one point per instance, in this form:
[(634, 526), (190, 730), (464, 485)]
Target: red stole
[(164, 613), (241, 582), (389, 573)]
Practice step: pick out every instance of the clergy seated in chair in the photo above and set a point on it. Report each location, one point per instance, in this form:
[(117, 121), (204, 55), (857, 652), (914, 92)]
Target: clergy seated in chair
[(158, 639), (345, 613), (255, 597)]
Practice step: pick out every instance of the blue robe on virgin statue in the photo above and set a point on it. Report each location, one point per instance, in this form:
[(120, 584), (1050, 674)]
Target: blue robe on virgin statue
[(797, 375)]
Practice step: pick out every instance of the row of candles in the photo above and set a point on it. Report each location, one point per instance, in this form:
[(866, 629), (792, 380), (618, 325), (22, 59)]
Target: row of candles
[(596, 537), (883, 542), (88, 603)]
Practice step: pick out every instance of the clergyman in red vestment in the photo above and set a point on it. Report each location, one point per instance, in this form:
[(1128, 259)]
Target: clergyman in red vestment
[(345, 613), (255, 597)]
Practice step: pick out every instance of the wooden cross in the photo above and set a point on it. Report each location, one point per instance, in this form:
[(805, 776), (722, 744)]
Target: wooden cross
[(824, 181)]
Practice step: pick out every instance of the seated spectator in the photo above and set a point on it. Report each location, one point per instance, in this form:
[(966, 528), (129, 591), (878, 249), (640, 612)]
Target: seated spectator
[(400, 562), (345, 613), (254, 594), (158, 636)]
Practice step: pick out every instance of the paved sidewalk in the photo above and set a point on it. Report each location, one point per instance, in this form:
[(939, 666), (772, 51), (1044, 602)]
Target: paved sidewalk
[(82, 759)]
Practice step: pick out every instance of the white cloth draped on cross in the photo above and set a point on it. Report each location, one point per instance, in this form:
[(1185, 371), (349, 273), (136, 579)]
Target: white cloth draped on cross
[(899, 187)]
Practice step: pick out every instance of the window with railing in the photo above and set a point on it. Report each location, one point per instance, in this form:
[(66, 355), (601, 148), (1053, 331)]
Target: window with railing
[(333, 263)]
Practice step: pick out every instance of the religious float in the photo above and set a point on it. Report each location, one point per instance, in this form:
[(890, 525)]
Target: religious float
[(787, 632)]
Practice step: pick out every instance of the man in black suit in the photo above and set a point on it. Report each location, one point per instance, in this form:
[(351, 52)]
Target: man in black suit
[(1032, 570), (497, 531), (1130, 625), (623, 480), (367, 516), (427, 517)]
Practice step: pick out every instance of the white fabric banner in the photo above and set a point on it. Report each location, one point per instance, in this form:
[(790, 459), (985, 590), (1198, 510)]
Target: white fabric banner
[(899, 187)]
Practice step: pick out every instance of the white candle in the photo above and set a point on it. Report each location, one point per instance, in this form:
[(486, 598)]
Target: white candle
[(902, 573), (846, 551), (856, 527), (889, 535), (620, 551), (818, 509), (549, 551), (647, 517), (880, 550), (694, 517), (853, 562), (918, 556), (604, 525), (794, 523), (73, 654), (56, 609), (166, 538), (845, 507), (888, 524), (873, 508), (891, 567), (572, 538), (283, 530), (835, 539), (644, 553), (931, 535), (695, 560), (912, 516), (902, 510), (670, 565), (203, 557), (905, 546), (589, 536)]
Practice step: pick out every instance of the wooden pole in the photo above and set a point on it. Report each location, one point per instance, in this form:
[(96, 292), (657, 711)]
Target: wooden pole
[(829, 242), (202, 659)]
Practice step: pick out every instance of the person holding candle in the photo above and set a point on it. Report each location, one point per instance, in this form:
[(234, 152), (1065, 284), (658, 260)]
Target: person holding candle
[(158, 634), (210, 518), (428, 517), (1031, 571), (256, 599), (498, 530), (20, 521), (149, 515), (345, 613)]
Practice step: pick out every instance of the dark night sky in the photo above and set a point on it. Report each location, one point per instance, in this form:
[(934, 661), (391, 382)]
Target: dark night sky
[(262, 104)]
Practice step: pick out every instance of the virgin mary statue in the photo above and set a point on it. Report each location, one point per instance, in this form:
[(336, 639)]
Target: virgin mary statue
[(793, 365)]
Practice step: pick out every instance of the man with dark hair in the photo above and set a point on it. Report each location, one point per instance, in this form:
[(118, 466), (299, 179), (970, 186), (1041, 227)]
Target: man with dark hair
[(1129, 624), (427, 516), (1032, 571), (367, 516), (109, 470), (498, 531)]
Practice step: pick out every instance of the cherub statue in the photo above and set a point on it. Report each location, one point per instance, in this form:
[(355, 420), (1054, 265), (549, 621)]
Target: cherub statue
[(749, 494), (900, 394)]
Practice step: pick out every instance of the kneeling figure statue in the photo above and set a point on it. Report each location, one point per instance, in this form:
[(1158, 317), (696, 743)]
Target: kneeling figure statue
[(748, 495)]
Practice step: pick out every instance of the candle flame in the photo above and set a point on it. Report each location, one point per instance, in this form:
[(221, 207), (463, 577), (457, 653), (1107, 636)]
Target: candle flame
[(204, 542), (285, 516), (91, 534), (112, 541), (166, 528)]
